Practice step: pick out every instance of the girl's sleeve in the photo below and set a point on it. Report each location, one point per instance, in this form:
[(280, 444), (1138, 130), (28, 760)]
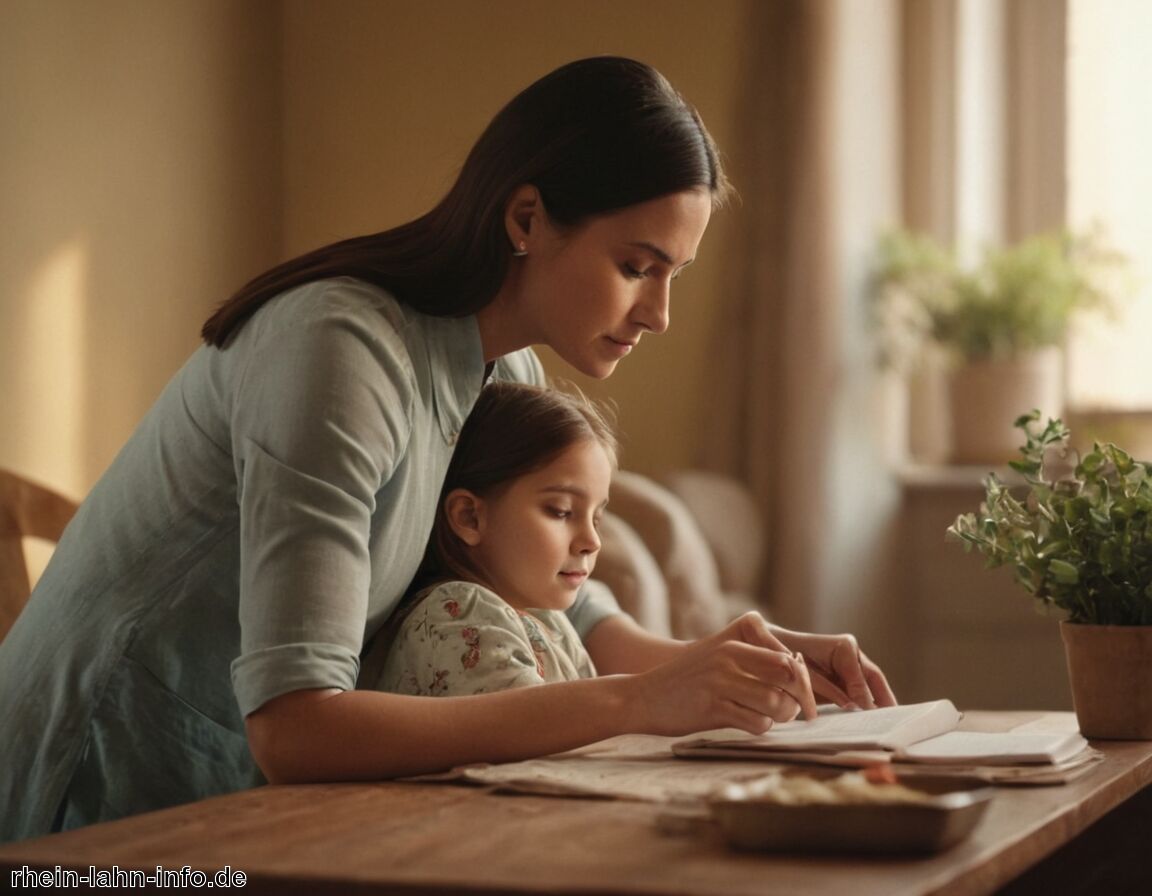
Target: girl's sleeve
[(461, 640), (320, 417), (594, 603)]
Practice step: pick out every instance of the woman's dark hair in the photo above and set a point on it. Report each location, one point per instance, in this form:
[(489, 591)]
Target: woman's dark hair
[(513, 430), (594, 136)]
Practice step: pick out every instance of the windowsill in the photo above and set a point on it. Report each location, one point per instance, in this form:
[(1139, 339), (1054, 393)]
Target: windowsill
[(914, 476)]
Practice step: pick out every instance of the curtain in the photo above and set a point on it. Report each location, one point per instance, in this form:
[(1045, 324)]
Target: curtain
[(772, 414)]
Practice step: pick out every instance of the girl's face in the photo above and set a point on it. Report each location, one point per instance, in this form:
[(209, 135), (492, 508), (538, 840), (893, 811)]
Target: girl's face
[(592, 292), (537, 539)]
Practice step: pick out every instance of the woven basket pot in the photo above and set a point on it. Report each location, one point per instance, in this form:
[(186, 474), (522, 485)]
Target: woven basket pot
[(1110, 670)]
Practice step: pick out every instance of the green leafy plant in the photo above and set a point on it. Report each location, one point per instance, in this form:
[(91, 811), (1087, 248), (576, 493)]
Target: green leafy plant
[(1017, 298), (1080, 537)]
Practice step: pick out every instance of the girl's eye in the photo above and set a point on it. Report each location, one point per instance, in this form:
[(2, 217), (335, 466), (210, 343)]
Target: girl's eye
[(632, 273), (561, 513)]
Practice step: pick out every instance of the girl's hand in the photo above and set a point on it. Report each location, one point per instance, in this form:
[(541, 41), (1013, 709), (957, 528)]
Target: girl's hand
[(741, 677), (840, 671)]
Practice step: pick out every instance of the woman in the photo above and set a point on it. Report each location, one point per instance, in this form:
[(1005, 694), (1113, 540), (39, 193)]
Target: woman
[(200, 626)]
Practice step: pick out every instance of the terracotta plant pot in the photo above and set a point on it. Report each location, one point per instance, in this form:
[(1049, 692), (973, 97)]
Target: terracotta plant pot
[(1110, 669)]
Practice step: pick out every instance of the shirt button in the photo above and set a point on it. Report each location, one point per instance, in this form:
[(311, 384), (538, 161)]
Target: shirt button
[(452, 439)]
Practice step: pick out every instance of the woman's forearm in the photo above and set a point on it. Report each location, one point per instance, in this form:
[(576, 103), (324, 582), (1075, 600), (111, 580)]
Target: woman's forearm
[(330, 735)]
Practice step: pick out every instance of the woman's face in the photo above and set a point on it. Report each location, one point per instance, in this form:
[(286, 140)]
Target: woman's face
[(591, 292)]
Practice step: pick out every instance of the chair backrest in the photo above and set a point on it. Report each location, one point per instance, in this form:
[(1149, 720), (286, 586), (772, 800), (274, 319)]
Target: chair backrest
[(26, 510)]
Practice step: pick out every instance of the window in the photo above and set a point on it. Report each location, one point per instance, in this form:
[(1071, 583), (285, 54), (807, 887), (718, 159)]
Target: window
[(1109, 180)]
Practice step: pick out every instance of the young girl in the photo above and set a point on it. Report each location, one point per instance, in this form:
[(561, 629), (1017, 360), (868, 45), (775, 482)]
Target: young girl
[(516, 536), (200, 627)]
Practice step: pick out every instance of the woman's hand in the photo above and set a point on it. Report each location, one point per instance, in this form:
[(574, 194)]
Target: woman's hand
[(741, 677), (839, 670)]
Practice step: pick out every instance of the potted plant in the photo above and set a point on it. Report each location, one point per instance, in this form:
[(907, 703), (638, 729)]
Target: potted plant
[(1002, 323), (1079, 539)]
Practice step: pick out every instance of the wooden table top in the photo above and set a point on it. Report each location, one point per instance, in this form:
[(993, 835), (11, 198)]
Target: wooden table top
[(406, 837)]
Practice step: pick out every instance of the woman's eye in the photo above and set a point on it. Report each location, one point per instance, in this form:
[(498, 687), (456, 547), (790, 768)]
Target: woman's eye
[(561, 513), (633, 273)]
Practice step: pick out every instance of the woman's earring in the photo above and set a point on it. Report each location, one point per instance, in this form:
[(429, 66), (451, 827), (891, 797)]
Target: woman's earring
[(521, 250)]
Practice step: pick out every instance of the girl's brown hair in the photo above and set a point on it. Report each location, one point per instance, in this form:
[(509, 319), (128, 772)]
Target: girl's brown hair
[(513, 430), (594, 136)]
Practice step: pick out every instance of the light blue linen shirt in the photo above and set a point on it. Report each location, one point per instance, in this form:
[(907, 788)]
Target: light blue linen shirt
[(252, 535)]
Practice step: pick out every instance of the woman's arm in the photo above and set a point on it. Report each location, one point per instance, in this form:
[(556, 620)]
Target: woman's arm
[(331, 735), (839, 668)]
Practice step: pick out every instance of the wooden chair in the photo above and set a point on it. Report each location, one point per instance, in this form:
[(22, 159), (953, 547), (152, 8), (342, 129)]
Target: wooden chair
[(26, 510)]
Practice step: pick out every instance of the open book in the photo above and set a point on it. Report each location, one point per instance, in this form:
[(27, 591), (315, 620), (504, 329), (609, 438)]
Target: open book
[(889, 728), (916, 732)]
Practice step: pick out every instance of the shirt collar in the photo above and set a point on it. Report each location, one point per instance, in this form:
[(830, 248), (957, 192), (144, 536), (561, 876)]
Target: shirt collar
[(456, 367)]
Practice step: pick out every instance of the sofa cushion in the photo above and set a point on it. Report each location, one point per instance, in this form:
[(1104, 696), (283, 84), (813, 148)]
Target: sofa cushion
[(730, 521), (695, 598), (626, 566)]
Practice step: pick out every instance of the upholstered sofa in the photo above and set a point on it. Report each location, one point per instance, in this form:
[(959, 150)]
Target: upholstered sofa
[(683, 553)]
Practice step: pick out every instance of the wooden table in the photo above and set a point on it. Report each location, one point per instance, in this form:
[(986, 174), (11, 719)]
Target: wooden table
[(404, 837)]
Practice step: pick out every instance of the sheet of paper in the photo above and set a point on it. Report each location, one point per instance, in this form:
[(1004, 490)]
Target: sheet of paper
[(658, 780)]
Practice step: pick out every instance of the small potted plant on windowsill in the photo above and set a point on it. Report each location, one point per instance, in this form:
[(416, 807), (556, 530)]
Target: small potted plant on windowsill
[(1079, 539), (1002, 323)]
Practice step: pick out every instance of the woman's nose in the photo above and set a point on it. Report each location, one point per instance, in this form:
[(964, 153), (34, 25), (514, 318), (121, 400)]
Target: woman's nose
[(652, 310)]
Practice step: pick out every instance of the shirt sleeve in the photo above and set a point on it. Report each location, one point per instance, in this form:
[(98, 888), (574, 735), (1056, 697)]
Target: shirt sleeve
[(594, 603), (461, 639), (320, 418)]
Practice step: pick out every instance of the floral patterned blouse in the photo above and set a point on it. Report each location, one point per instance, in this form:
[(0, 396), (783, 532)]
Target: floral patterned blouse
[(459, 638)]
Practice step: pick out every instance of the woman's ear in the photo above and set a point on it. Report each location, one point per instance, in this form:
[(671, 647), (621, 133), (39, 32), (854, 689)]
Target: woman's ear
[(465, 513), (523, 209)]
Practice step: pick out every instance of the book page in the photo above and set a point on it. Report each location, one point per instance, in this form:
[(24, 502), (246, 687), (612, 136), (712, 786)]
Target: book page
[(887, 728)]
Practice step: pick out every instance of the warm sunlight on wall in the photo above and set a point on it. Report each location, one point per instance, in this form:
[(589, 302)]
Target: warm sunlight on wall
[(48, 361), (140, 178), (47, 442)]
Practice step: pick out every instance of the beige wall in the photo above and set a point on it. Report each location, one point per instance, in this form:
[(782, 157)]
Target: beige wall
[(139, 183), (384, 99)]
